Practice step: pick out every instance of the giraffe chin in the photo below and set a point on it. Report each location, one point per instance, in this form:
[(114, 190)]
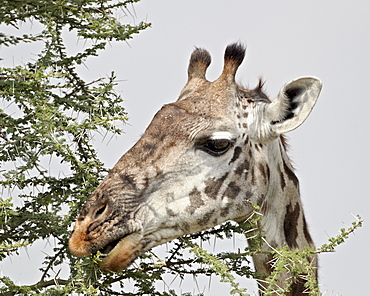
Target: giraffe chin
[(123, 254)]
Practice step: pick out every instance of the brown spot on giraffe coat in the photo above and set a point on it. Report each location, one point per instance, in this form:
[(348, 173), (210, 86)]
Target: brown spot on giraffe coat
[(297, 288), (291, 174), (195, 201), (213, 186), (232, 190), (242, 168), (291, 224), (237, 151)]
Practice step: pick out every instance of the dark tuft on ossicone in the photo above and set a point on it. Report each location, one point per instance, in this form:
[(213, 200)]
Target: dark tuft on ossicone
[(199, 62), (235, 52), (200, 55)]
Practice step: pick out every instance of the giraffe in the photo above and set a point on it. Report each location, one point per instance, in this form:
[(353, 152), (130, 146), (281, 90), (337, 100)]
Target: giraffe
[(205, 159)]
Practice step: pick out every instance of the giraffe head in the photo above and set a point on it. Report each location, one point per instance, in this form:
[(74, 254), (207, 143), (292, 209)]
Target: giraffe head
[(203, 160)]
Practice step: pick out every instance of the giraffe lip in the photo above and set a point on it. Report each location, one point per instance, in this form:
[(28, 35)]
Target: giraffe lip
[(120, 253)]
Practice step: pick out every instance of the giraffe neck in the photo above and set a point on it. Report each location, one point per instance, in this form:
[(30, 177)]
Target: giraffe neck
[(283, 222)]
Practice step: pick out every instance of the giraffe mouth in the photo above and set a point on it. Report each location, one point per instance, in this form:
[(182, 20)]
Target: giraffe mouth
[(109, 247), (120, 253)]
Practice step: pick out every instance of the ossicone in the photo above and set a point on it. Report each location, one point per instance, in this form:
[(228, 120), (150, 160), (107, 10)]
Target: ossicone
[(234, 56), (199, 62)]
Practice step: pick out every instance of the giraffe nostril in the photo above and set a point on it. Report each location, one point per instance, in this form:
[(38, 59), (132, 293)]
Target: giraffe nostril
[(100, 211)]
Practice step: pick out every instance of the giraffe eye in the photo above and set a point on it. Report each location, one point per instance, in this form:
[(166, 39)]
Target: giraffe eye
[(215, 147)]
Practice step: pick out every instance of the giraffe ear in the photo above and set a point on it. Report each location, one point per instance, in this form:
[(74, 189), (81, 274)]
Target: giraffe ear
[(293, 104)]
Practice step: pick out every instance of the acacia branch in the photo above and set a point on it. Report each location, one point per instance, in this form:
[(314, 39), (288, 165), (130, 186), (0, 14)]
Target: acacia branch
[(50, 264), (39, 285)]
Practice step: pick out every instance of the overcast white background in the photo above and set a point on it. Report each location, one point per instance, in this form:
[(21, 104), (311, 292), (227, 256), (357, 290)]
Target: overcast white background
[(285, 40)]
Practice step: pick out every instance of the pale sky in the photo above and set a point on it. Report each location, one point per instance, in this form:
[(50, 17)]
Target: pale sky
[(285, 40)]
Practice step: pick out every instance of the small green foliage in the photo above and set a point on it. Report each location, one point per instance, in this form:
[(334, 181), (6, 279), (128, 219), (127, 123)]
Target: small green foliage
[(220, 269), (342, 237), (252, 229), (298, 265)]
